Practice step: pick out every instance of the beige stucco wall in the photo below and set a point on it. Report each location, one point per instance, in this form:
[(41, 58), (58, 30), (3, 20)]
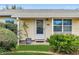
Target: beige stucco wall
[(2, 19), (48, 27), (75, 26), (31, 28)]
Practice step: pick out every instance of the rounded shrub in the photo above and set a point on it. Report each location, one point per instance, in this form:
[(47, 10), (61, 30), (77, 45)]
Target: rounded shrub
[(2, 25), (64, 43), (8, 39), (12, 27)]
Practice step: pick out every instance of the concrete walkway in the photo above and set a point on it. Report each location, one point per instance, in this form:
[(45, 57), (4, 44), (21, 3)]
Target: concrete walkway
[(51, 53)]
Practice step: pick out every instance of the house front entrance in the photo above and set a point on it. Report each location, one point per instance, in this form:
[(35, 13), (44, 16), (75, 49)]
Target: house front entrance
[(40, 31)]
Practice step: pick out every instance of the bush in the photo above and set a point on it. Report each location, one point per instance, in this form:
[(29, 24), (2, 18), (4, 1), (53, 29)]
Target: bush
[(2, 25), (64, 43), (2, 50), (12, 27), (8, 39)]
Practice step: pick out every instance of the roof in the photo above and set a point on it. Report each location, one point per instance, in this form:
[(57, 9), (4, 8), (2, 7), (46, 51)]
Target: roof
[(41, 13)]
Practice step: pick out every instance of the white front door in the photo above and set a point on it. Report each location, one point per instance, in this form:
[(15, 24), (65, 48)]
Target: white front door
[(40, 24)]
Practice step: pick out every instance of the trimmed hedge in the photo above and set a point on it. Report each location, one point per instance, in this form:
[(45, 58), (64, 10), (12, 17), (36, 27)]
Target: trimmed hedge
[(10, 26), (64, 43), (8, 39), (2, 25)]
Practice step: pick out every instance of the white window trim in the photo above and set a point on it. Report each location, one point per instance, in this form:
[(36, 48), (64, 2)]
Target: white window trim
[(62, 26)]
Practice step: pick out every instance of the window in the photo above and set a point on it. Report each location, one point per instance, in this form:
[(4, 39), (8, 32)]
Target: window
[(67, 25), (57, 25), (9, 23), (57, 22), (39, 26), (57, 28), (62, 25), (9, 20), (67, 28), (67, 22)]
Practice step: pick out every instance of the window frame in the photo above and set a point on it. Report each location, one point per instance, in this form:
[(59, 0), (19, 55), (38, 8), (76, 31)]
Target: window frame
[(62, 26), (57, 25)]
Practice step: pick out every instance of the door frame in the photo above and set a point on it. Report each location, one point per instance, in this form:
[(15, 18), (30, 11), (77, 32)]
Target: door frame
[(43, 27)]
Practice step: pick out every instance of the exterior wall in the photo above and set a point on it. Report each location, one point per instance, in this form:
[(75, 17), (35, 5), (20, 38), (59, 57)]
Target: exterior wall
[(31, 28), (2, 19), (48, 27), (75, 26)]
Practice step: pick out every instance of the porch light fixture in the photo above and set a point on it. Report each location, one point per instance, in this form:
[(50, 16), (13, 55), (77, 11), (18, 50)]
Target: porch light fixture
[(47, 19)]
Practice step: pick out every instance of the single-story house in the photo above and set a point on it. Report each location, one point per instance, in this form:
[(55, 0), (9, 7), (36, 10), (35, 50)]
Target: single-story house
[(42, 23)]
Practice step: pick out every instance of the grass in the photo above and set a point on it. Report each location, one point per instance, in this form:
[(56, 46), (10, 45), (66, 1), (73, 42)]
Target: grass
[(24, 53), (28, 48), (33, 48)]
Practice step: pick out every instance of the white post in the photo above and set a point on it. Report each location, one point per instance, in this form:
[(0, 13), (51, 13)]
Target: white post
[(52, 26), (18, 31)]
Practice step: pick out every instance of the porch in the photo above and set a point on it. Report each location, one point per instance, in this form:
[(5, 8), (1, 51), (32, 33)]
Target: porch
[(47, 29), (39, 29)]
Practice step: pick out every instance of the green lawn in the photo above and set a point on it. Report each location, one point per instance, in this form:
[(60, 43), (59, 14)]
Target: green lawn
[(29, 48), (33, 48)]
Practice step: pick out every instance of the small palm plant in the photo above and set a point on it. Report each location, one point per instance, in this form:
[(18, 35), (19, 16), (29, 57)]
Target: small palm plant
[(28, 40), (25, 28)]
